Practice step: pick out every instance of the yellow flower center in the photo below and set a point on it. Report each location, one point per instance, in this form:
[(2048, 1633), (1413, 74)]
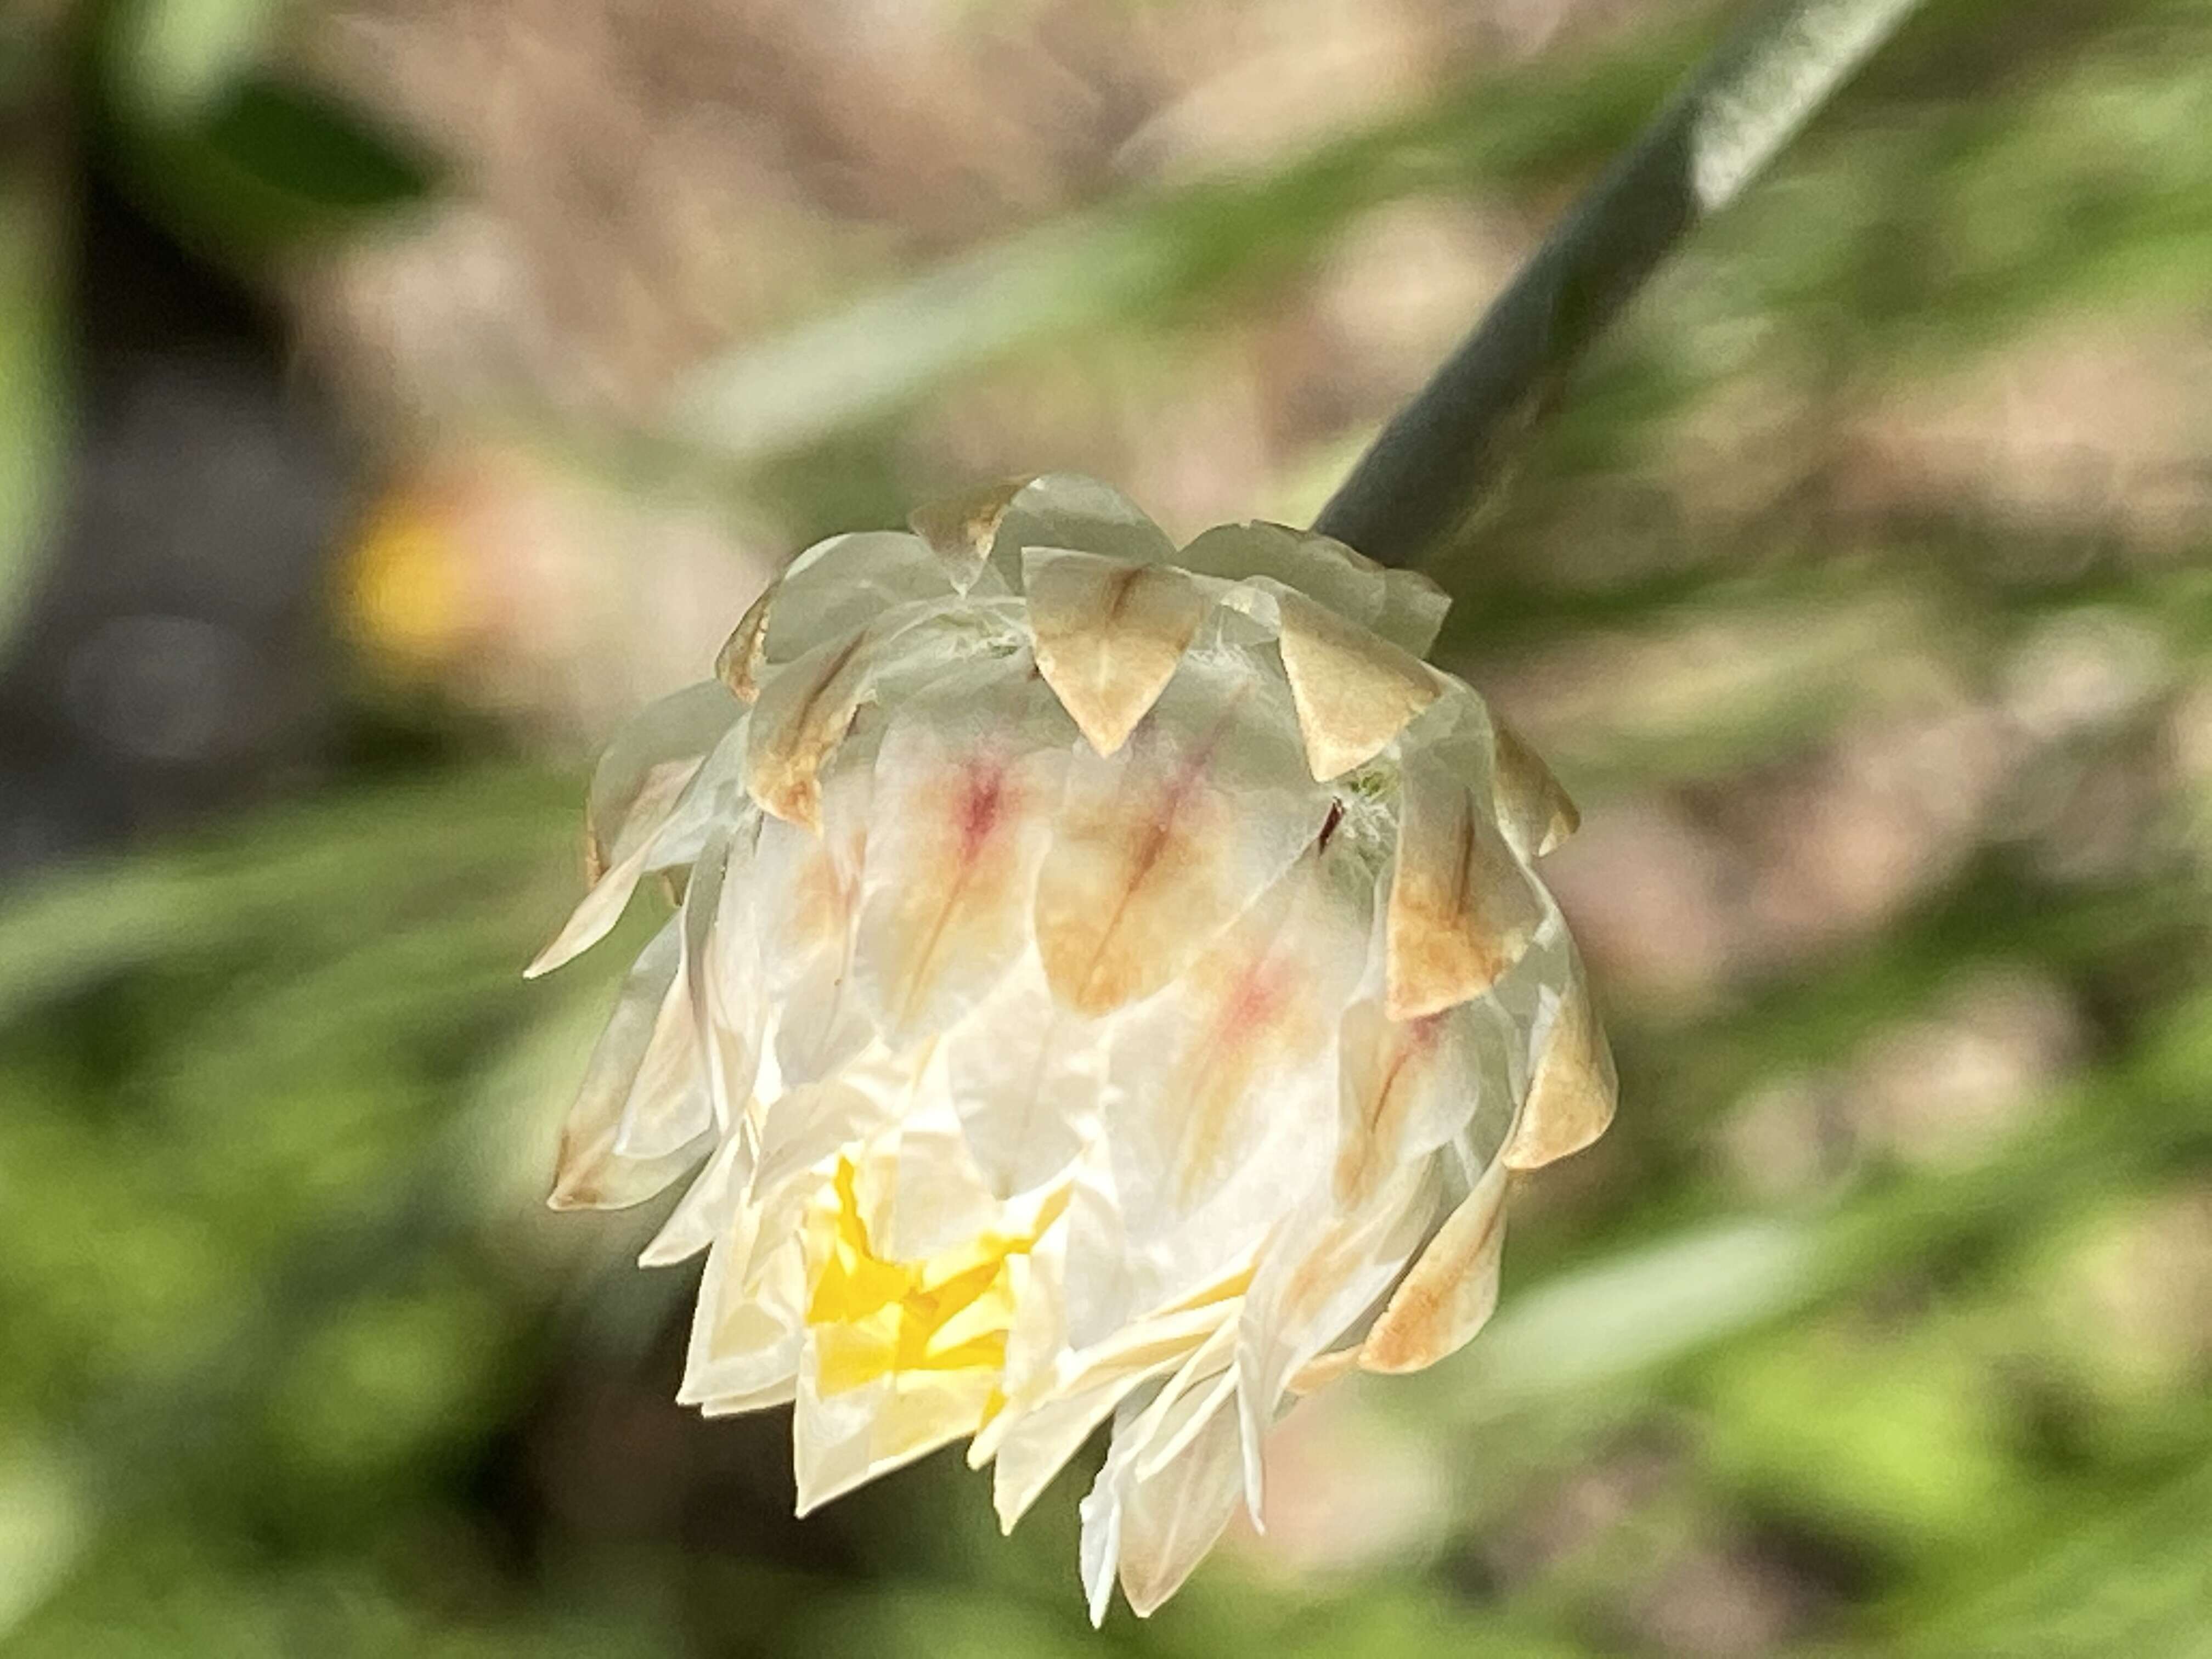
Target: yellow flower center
[(873, 1317)]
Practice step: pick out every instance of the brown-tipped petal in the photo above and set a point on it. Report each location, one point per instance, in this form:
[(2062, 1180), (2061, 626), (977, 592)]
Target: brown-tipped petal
[(960, 531), (1109, 635), (1573, 1093), (1413, 608), (738, 664), (1533, 809), (798, 724), (1160, 845), (1355, 691), (1461, 908), (1452, 1289)]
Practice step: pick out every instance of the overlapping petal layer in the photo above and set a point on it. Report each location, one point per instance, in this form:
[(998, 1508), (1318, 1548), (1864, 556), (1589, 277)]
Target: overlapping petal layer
[(1110, 985)]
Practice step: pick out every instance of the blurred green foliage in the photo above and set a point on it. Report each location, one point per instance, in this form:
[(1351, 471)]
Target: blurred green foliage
[(292, 1366)]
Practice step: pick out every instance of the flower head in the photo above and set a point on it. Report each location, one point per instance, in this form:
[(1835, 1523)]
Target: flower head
[(1110, 983)]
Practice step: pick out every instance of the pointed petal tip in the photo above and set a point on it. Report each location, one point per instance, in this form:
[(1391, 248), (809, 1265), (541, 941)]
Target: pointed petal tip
[(1354, 690), (1110, 633), (1462, 910), (1533, 806), (960, 531)]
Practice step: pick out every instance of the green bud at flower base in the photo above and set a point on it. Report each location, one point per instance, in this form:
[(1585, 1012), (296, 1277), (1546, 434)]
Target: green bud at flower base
[(1110, 983)]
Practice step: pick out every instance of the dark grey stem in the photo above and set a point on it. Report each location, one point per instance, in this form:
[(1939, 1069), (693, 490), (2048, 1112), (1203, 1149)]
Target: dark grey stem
[(1434, 463)]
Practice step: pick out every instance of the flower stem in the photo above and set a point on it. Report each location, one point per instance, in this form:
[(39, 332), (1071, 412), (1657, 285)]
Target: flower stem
[(1432, 466)]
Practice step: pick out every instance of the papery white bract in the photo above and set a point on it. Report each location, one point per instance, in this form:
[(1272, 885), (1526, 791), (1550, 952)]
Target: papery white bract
[(1110, 983)]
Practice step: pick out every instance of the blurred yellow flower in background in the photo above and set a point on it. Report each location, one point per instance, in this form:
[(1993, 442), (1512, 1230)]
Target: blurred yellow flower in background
[(1111, 982)]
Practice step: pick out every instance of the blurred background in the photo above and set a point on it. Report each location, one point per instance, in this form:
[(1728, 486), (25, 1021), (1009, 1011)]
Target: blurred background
[(394, 393)]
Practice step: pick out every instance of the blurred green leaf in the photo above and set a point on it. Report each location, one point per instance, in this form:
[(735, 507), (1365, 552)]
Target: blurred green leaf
[(170, 59), (45, 1521), (266, 166), (35, 392)]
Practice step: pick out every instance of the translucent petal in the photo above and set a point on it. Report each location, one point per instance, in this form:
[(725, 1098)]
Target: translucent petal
[(1405, 1087), (589, 1174), (1152, 1529), (1172, 1516), (1161, 1433), (840, 1441), (1451, 1290), (1062, 509), (806, 892), (707, 1208), (1225, 1093), (780, 1393), (1462, 908), (1322, 1269), (968, 783), (1413, 608), (668, 1106), (1096, 1286), (1025, 1076), (1533, 809), (1038, 1447), (937, 1200), (808, 1126), (1326, 571), (1572, 1094), (703, 1044), (722, 965), (960, 531), (1160, 845), (837, 587), (648, 812), (745, 1338), (1098, 1555), (667, 737), (1354, 690), (1036, 1337), (1109, 632), (697, 799)]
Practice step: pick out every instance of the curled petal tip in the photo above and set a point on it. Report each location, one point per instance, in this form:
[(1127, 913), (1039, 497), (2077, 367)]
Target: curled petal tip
[(738, 664), (1574, 1093)]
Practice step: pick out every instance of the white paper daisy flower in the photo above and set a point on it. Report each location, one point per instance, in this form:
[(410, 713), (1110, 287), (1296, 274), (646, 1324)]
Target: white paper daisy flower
[(1109, 985)]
